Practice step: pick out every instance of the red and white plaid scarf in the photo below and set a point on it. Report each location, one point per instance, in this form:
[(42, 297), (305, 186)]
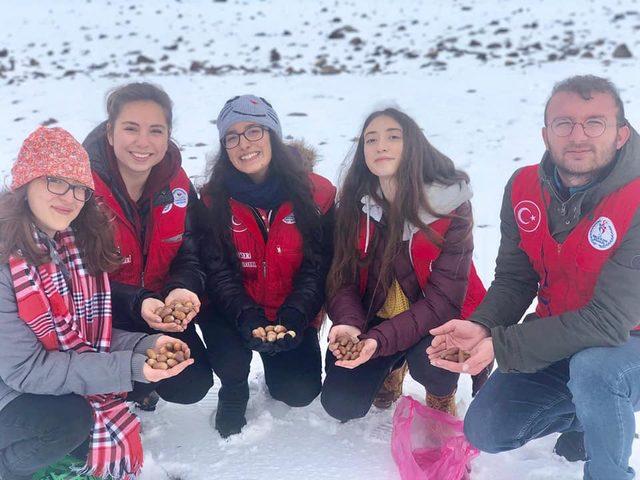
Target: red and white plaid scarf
[(74, 313)]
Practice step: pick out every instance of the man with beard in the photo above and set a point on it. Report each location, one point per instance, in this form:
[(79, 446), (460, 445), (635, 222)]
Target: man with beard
[(570, 236)]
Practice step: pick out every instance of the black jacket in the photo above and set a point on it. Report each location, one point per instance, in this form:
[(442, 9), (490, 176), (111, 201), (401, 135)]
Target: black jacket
[(224, 285)]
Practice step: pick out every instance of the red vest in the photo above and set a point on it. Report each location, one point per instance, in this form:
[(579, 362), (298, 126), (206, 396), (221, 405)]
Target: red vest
[(268, 268), (423, 253), (569, 271), (163, 237)]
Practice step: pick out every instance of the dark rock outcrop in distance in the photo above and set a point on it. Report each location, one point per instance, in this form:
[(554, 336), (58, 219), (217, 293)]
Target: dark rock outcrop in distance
[(355, 42)]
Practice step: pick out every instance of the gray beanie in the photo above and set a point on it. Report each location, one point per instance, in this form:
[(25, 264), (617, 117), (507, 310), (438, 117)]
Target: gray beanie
[(248, 108)]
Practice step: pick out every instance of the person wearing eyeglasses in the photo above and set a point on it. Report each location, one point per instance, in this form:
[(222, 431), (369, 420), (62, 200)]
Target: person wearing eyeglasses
[(571, 239), (64, 371), (266, 255), (139, 179)]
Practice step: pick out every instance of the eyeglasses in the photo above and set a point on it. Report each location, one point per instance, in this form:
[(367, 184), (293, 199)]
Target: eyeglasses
[(58, 186), (252, 134), (592, 127)]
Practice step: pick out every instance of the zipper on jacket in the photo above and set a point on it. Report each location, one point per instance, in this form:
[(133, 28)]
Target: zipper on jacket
[(264, 223), (142, 278), (264, 281)]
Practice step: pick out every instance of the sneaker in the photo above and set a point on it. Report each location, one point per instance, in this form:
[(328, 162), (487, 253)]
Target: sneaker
[(391, 389), (570, 445), (64, 469), (445, 404)]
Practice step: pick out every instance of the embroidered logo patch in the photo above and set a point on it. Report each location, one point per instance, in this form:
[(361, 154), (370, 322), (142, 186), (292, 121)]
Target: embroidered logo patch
[(237, 226), (602, 234), (180, 197), (527, 215), (289, 219), (167, 208)]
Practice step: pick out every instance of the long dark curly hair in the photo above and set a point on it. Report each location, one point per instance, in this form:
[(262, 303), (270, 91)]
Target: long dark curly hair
[(287, 164)]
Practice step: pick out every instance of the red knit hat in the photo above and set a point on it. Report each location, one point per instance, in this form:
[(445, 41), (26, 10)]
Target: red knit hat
[(53, 152)]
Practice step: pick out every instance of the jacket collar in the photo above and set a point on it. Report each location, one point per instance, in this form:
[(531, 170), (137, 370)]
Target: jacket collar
[(443, 199)]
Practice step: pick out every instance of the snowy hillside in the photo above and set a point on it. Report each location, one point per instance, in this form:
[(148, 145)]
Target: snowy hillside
[(475, 74)]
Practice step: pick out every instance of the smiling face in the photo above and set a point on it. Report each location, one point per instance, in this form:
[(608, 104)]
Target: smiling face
[(383, 144), (250, 157), (139, 137), (52, 212), (578, 156)]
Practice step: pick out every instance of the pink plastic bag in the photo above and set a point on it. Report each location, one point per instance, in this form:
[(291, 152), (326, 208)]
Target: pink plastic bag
[(427, 444)]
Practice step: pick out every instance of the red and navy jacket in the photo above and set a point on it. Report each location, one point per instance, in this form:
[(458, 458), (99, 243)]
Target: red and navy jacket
[(568, 271), (273, 273), (158, 248), (422, 253)]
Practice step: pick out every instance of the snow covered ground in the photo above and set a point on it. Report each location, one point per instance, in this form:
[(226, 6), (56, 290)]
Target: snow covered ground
[(475, 74)]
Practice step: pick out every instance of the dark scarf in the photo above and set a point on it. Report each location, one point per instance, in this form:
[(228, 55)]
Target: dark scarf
[(267, 195)]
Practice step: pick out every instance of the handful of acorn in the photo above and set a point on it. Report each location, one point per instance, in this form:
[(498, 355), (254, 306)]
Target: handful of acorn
[(271, 333), (349, 348), (175, 312), (167, 356), (455, 354)]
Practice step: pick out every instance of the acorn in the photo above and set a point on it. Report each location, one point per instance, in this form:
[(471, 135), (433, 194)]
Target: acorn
[(349, 348), (167, 356)]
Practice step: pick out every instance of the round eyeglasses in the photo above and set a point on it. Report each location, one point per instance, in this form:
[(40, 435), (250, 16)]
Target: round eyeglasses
[(592, 127)]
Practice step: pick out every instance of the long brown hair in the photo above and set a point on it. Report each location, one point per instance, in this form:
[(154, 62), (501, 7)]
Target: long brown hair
[(293, 170), (421, 163), (92, 230)]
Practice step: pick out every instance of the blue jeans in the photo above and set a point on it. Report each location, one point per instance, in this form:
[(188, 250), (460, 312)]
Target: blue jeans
[(596, 391)]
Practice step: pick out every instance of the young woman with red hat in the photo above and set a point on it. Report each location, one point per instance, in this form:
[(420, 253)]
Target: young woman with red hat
[(139, 179), (64, 370), (402, 265), (266, 257)]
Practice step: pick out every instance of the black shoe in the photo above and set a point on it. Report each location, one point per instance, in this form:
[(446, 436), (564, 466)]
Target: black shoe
[(228, 423), (232, 405), (480, 379), (570, 445), (147, 402)]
